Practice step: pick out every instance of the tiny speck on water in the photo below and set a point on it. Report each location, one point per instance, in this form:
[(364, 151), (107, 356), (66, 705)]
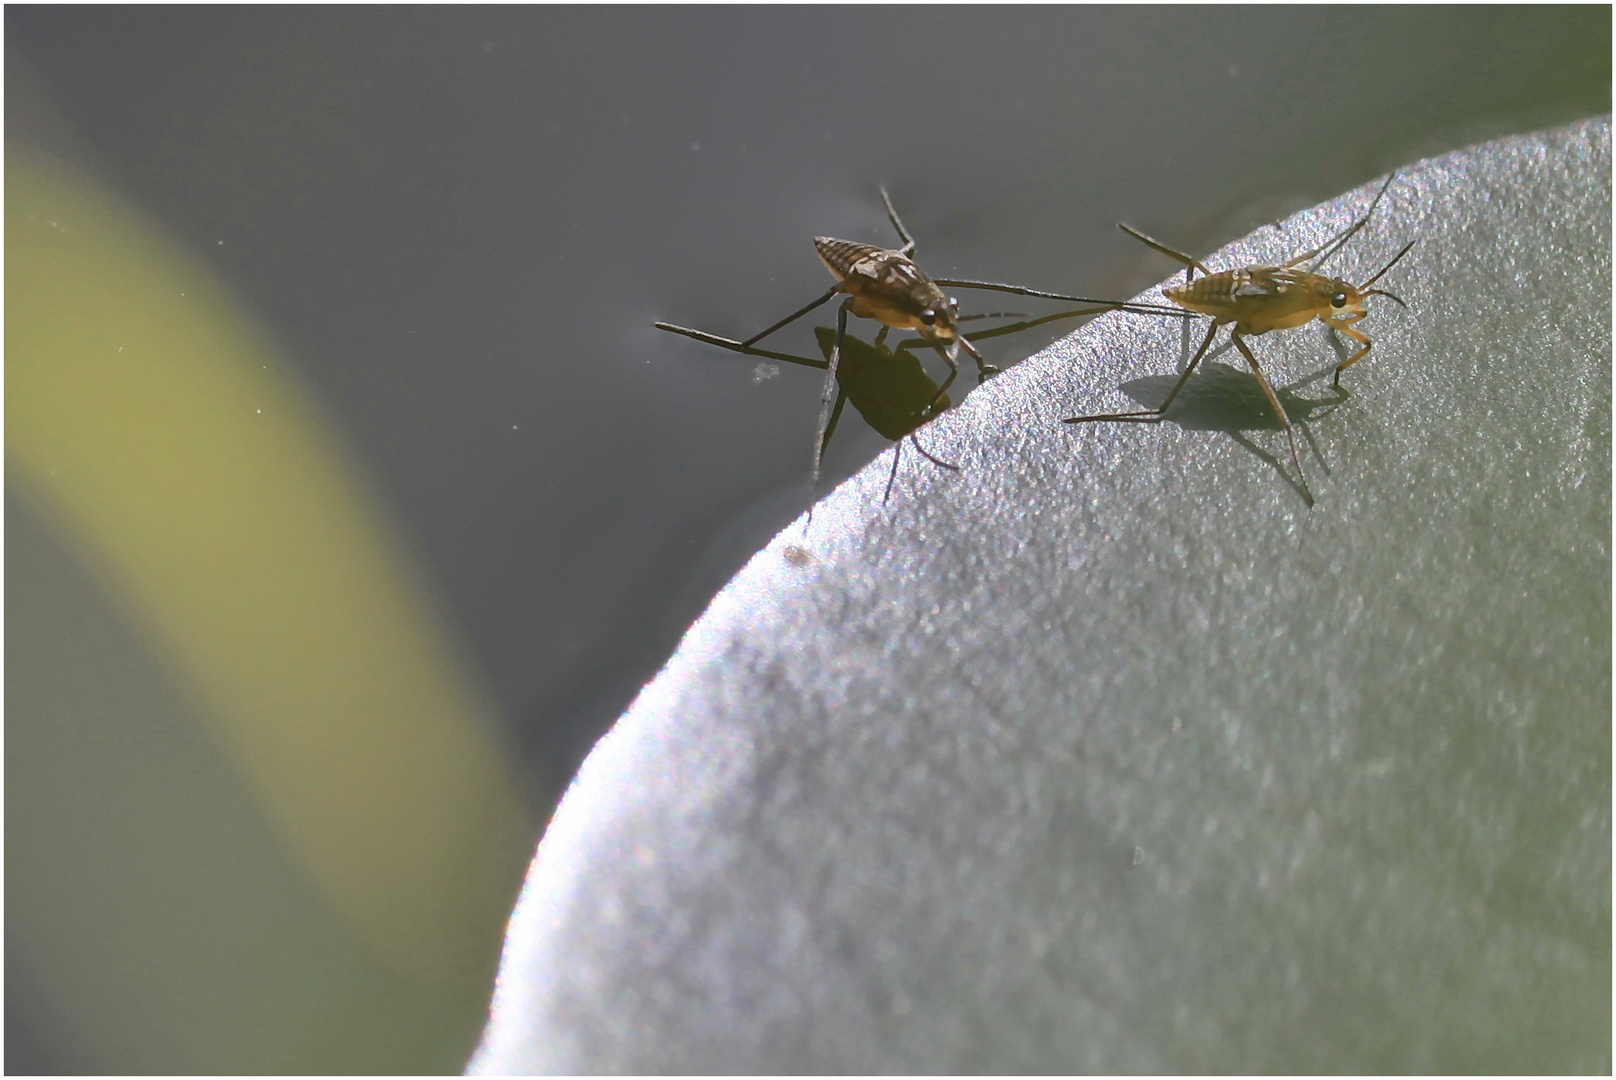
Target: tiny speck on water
[(1138, 855), (764, 372)]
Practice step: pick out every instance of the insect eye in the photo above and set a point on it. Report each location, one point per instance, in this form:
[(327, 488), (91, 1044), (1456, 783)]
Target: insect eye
[(1339, 299), (928, 316)]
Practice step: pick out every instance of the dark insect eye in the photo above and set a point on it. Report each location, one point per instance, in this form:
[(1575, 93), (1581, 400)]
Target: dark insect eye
[(928, 316), (1339, 299)]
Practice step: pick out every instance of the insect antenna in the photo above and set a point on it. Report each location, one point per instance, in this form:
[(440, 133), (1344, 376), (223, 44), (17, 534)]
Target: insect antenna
[(1383, 269), (992, 315)]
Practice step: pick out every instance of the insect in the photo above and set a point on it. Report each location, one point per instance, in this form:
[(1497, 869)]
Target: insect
[(1257, 299), (886, 285)]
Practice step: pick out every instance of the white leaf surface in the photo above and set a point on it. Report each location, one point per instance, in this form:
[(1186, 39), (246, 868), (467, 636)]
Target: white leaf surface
[(1107, 753)]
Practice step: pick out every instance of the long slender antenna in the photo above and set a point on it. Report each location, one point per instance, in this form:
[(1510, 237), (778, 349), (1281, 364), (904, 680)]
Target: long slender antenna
[(1387, 267)]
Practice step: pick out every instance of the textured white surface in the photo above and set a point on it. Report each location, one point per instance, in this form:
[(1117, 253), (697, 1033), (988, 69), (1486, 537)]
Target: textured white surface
[(1107, 754)]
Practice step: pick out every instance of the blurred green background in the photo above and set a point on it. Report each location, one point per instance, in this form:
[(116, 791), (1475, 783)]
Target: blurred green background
[(350, 494)]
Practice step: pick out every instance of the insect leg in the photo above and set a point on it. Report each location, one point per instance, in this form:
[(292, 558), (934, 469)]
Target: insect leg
[(830, 384), (908, 248), (1358, 336), (929, 456), (799, 313), (1187, 260), (736, 346), (1150, 416), (1273, 400), (983, 368)]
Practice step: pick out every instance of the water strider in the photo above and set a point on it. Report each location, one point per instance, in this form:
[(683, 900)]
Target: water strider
[(1257, 299)]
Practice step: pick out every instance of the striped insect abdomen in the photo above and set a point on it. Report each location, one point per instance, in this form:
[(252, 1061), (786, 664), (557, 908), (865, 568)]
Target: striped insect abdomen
[(1261, 298), (886, 285), (1213, 294), (842, 256)]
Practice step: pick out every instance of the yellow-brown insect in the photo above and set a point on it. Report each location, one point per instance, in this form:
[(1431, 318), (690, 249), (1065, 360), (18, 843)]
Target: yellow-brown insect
[(886, 285), (1257, 299)]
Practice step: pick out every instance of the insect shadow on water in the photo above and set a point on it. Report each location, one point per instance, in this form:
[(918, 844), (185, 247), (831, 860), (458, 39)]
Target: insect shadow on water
[(889, 387), (1257, 299), (886, 285)]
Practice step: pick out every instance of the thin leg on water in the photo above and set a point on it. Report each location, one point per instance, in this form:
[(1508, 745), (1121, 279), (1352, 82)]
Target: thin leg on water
[(799, 313), (735, 346)]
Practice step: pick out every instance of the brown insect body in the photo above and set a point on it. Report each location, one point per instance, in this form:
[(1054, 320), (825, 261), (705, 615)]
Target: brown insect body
[(889, 287)]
